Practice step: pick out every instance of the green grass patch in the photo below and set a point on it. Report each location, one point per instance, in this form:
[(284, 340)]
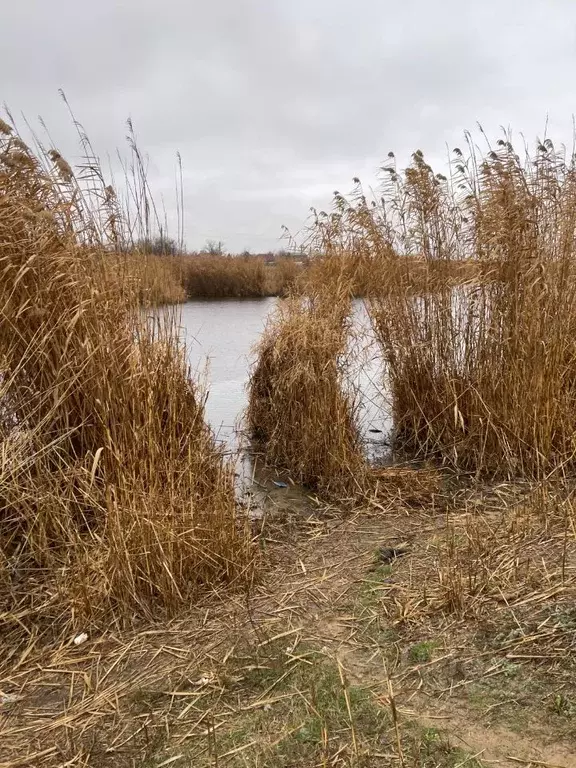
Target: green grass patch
[(422, 652)]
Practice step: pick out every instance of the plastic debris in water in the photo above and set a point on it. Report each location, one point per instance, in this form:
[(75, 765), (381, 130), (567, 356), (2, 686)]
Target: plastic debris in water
[(375, 431), (280, 484), (81, 638)]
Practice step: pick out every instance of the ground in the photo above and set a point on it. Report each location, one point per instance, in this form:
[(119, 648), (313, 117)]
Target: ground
[(459, 652)]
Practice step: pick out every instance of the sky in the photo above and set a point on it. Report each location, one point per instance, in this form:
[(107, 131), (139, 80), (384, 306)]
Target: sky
[(274, 104)]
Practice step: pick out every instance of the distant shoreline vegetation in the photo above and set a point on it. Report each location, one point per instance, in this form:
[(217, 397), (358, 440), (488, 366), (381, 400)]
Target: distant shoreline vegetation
[(167, 276)]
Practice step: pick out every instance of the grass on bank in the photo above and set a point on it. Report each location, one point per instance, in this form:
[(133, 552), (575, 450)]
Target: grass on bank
[(115, 500), (481, 375)]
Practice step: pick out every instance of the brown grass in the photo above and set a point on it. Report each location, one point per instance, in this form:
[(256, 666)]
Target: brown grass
[(482, 375), (298, 408), (114, 499), (223, 277)]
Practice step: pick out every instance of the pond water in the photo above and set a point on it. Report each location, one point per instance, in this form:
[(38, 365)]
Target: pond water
[(220, 336)]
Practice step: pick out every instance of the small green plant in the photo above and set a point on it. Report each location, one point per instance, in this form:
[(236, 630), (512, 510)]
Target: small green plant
[(431, 736), (563, 706), (566, 618), (420, 653), (508, 668)]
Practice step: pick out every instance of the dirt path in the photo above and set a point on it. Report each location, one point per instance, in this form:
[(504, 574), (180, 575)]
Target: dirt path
[(334, 657), (535, 739)]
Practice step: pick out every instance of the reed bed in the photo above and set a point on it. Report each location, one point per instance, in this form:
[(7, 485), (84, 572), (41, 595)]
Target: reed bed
[(175, 278), (223, 277), (304, 406), (159, 278), (285, 276), (481, 375), (298, 408), (371, 275), (114, 499)]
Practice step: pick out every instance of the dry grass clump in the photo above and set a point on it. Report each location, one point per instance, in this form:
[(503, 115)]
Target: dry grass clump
[(520, 553), (113, 494), (298, 408), (482, 376), (207, 276), (159, 278), (372, 276)]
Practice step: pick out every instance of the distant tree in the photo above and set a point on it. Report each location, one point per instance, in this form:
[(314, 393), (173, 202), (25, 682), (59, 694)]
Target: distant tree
[(158, 245), (214, 248)]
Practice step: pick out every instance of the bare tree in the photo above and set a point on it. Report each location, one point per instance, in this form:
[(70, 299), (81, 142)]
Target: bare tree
[(214, 248)]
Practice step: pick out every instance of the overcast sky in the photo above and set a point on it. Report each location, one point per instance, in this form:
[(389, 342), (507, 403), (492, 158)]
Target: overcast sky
[(273, 104)]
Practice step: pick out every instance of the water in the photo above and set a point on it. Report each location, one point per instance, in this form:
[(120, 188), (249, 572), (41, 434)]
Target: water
[(220, 337)]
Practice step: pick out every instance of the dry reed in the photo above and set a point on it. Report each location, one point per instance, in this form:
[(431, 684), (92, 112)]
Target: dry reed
[(372, 276), (159, 278), (223, 277), (112, 488), (298, 408), (481, 376)]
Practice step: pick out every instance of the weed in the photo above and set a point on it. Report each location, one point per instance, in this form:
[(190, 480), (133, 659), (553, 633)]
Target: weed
[(509, 669), (564, 706), (421, 653)]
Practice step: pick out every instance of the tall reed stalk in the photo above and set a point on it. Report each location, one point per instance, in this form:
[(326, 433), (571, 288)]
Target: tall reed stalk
[(299, 409), (482, 375), (112, 488)]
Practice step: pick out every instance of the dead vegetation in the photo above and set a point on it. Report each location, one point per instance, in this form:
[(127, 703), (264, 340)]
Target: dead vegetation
[(298, 409), (158, 278), (481, 375), (115, 500), (223, 277), (117, 506), (336, 657), (174, 278)]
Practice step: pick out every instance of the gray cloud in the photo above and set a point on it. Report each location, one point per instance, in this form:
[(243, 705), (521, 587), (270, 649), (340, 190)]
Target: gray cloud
[(275, 103)]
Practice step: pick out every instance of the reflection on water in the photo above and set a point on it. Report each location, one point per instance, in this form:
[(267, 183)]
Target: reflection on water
[(222, 333), (367, 380)]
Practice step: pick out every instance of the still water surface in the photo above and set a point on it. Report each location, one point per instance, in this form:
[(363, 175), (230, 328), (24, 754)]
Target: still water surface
[(220, 337)]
